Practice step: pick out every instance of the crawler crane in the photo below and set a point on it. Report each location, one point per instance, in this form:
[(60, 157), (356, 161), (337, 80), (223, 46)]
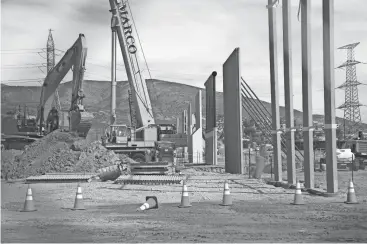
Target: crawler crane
[(140, 144)]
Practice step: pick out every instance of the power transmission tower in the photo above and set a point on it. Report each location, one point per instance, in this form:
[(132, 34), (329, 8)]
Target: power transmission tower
[(352, 113), (50, 64)]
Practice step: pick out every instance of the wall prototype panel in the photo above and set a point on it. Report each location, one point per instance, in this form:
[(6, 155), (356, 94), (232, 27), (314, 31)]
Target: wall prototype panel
[(233, 114), (195, 131), (211, 125)]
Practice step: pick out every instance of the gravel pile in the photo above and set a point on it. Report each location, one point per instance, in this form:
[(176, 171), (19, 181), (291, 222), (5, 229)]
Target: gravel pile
[(59, 152)]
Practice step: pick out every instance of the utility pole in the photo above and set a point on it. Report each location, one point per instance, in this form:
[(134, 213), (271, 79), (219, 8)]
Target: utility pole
[(307, 93), (329, 95), (276, 139), (288, 92)]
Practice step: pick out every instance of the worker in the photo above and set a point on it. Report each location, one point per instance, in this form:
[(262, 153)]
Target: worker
[(360, 135), (114, 135)]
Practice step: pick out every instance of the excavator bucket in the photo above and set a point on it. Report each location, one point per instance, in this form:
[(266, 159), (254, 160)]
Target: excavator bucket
[(81, 122)]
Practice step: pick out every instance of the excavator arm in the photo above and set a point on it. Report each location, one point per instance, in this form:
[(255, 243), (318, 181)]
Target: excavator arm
[(73, 58)]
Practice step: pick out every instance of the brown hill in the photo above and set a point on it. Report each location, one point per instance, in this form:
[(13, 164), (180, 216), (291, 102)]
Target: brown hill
[(168, 99)]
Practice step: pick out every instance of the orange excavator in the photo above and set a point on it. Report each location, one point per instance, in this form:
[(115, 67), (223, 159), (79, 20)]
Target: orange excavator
[(79, 120)]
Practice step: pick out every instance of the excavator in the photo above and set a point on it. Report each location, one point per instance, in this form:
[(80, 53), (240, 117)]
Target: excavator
[(79, 120), (140, 143)]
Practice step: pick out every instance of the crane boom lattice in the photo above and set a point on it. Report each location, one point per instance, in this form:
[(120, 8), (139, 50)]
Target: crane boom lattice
[(140, 96)]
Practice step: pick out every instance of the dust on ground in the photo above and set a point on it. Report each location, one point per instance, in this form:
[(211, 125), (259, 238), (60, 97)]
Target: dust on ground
[(260, 213), (58, 152)]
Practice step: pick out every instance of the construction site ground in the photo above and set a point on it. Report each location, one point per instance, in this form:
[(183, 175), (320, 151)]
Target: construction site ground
[(260, 212)]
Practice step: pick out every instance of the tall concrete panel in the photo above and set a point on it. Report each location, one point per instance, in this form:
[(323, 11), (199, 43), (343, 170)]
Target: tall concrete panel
[(211, 150), (274, 89), (197, 135), (178, 124), (307, 93), (189, 134), (233, 114), (329, 95), (288, 92), (184, 122)]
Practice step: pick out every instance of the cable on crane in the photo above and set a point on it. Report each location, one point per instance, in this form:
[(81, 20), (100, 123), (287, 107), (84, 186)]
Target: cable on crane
[(142, 50), (137, 35)]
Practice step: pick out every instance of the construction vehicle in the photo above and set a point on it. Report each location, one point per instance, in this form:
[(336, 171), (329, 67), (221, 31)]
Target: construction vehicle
[(79, 120), (18, 129), (356, 148), (359, 148), (138, 143)]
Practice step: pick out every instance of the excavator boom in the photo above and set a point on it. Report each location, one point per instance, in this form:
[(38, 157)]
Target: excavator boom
[(75, 57)]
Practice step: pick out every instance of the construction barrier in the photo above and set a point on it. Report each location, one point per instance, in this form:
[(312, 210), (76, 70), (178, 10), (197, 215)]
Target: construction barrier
[(351, 195), (29, 203)]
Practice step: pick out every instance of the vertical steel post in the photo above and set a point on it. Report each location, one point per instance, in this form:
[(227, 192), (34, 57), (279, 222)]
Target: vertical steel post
[(113, 78), (329, 95), (307, 93), (288, 92), (274, 91)]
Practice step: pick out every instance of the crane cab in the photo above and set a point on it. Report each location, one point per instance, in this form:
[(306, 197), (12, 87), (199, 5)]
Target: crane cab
[(119, 134)]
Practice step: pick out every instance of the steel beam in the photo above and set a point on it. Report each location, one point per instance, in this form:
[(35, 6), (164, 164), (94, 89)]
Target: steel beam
[(307, 93), (233, 114), (274, 91), (288, 92), (329, 95)]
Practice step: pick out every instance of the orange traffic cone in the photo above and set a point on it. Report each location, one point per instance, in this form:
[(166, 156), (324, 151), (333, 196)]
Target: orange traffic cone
[(227, 198), (78, 204), (29, 203), (351, 196), (298, 199), (185, 201), (151, 202)]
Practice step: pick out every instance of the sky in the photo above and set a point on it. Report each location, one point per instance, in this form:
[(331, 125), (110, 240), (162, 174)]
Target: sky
[(183, 41)]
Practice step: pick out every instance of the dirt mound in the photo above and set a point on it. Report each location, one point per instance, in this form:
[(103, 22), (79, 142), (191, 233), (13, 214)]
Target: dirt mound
[(60, 152), (7, 159)]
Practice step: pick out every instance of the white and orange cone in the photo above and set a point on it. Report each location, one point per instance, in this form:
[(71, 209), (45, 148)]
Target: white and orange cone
[(29, 203), (227, 198), (185, 201), (351, 196), (79, 204), (298, 199), (151, 202)]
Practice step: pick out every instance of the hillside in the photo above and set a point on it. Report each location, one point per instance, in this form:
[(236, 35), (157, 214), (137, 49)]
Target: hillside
[(168, 99)]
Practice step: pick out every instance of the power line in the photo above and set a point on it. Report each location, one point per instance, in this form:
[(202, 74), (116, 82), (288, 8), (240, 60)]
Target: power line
[(40, 64), (5, 50), (20, 67), (20, 53), (22, 80)]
